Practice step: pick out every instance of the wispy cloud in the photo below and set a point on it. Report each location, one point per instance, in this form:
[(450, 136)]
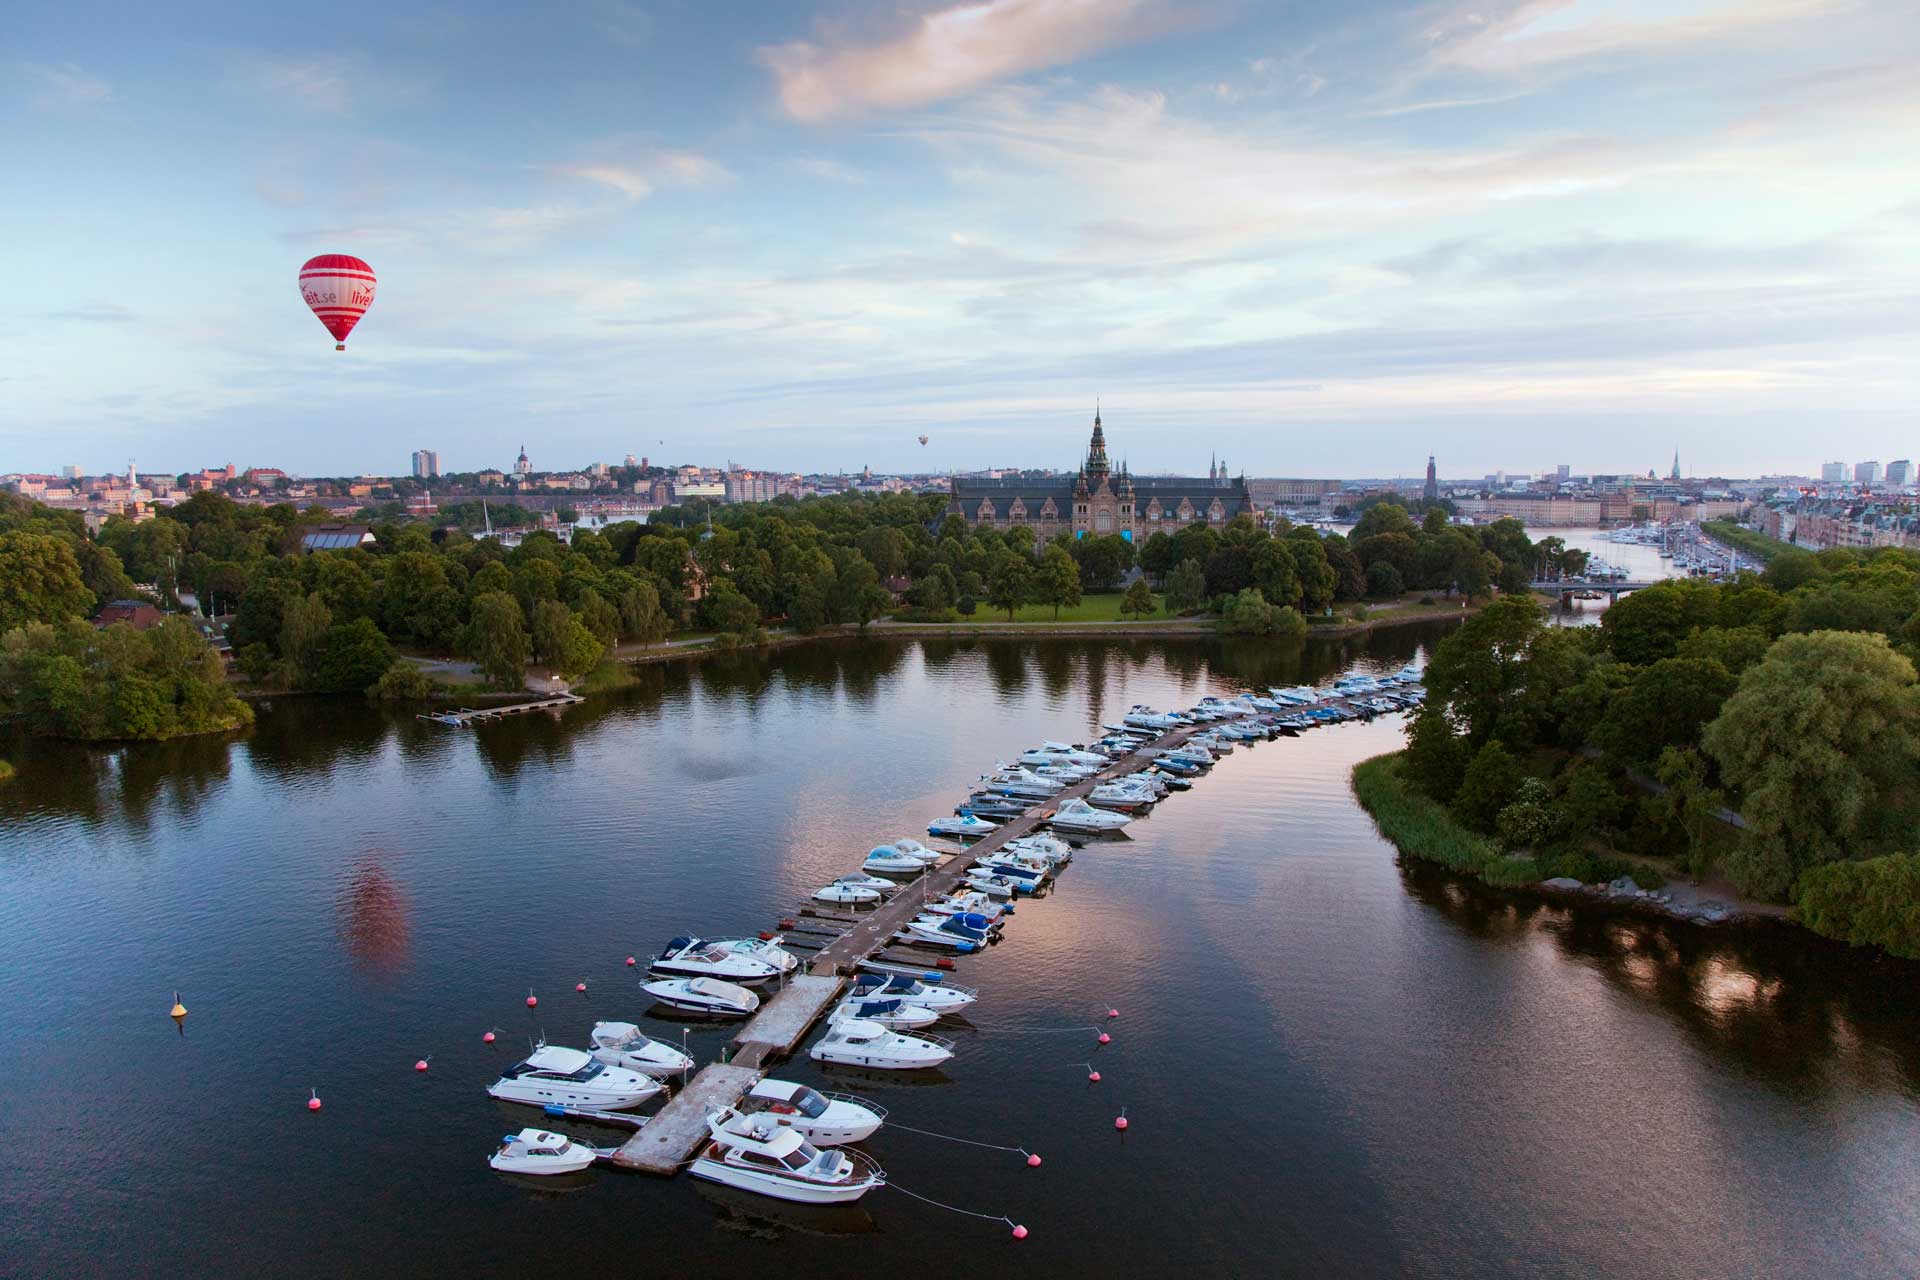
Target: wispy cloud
[(67, 88), (951, 51), (638, 176), (1523, 35), (326, 84)]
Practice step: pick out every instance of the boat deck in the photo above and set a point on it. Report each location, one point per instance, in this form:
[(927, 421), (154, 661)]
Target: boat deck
[(670, 1137)]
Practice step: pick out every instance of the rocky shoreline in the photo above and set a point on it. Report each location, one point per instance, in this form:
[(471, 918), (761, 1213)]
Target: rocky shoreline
[(1626, 892)]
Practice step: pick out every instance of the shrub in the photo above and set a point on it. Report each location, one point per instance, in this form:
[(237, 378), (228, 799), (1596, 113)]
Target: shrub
[(1532, 819), (1873, 901), (968, 606), (1492, 782), (402, 682)]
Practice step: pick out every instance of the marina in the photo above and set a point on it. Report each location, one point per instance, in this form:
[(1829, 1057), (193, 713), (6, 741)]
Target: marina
[(409, 887)]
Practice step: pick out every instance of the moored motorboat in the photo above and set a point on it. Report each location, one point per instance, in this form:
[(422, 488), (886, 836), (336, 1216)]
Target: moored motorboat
[(757, 1153), (854, 1042), (1077, 815), (824, 1119), (690, 957), (844, 894), (766, 948), (955, 933), (704, 995), (895, 1012), (994, 886), (535, 1151), (621, 1044), (964, 826), (553, 1076), (940, 996), (885, 858)]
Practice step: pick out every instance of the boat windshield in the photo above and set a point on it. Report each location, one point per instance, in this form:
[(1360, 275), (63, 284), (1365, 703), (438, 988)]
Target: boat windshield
[(810, 1104), (587, 1072)]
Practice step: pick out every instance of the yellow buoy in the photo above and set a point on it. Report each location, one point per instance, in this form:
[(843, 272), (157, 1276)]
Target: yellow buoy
[(179, 1010)]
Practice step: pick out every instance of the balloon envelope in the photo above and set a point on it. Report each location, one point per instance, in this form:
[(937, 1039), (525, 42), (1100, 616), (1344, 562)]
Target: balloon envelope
[(339, 289)]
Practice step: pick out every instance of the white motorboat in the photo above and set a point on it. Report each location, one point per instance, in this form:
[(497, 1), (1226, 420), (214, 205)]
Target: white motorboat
[(1077, 815), (855, 1042), (538, 1152), (1043, 848), (965, 902), (994, 886), (963, 826), (939, 996), (757, 1153), (845, 894), (570, 1078), (1024, 783), (890, 860), (889, 1011), (689, 957), (1077, 755), (824, 1119), (1114, 795), (621, 1044), (1027, 872), (914, 849), (704, 995), (961, 933), (863, 881), (765, 948)]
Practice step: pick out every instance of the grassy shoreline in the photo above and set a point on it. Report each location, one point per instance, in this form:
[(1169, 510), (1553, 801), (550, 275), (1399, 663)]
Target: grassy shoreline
[(1741, 538)]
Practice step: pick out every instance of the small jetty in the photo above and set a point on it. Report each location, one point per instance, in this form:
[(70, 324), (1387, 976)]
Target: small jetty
[(464, 717), (671, 1137)]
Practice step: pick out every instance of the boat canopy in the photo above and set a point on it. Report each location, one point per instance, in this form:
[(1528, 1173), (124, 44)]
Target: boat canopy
[(609, 1033), (718, 990), (554, 1058)]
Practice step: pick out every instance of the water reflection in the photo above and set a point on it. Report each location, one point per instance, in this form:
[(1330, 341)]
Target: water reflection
[(376, 920)]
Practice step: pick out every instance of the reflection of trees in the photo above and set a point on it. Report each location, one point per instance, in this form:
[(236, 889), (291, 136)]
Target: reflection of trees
[(1007, 668), (1776, 1002), (864, 664), (99, 783), (506, 744), (739, 671), (179, 773), (1055, 661), (293, 736)]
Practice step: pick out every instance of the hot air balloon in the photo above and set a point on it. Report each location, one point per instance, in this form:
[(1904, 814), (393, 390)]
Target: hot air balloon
[(923, 442), (339, 288)]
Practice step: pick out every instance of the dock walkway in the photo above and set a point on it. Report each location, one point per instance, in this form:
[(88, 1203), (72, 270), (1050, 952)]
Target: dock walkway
[(670, 1138), (462, 717)]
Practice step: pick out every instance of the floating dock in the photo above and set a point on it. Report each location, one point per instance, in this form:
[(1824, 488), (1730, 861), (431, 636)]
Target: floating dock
[(671, 1137)]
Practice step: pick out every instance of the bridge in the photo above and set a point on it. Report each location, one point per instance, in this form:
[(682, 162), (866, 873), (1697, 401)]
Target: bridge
[(1569, 586)]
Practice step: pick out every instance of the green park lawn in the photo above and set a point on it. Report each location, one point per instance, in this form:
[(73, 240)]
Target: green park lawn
[(1101, 607)]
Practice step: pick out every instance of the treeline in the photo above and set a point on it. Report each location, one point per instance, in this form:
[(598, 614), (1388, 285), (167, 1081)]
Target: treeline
[(1789, 698), (1752, 541)]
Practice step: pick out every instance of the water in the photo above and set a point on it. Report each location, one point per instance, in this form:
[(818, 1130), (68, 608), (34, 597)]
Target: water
[(1332, 1064)]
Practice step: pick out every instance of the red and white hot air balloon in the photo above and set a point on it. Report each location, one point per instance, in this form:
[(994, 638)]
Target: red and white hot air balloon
[(339, 288)]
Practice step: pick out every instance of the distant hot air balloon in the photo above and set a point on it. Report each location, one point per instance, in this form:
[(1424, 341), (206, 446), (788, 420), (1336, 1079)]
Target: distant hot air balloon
[(923, 442), (339, 288)]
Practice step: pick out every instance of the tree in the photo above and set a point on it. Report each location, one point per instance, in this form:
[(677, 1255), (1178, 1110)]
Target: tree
[(1010, 583), (1820, 741), (550, 620), (601, 618), (579, 650), (1691, 805), (1138, 601), (1057, 582), (402, 682), (303, 634), (1156, 557), (1491, 783), (39, 580), (1666, 706), (1871, 902), (1103, 560), (1384, 581), (1384, 517), (353, 656), (1186, 587), (730, 613), (1646, 626), (856, 595), (1476, 672), (1436, 757), (937, 589), (641, 617), (497, 639)]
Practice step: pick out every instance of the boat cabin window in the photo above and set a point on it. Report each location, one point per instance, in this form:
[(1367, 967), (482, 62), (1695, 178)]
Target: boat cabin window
[(810, 1103)]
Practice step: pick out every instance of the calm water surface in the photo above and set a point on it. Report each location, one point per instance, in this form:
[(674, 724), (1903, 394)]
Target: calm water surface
[(1333, 1064)]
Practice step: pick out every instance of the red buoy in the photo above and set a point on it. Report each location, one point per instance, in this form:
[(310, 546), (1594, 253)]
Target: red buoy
[(1120, 1121), (1105, 1038), (313, 1102), (1093, 1077), (1113, 1013), (1033, 1161), (420, 1065), (629, 962), (487, 1038), (579, 986), (532, 1000), (1019, 1233)]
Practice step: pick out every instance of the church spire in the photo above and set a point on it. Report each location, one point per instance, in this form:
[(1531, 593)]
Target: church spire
[(1097, 465)]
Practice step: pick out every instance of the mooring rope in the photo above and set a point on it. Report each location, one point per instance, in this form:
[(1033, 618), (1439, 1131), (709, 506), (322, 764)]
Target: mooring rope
[(992, 1146), (951, 1208)]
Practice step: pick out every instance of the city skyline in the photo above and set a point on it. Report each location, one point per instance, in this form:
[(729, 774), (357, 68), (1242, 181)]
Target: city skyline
[(1312, 241)]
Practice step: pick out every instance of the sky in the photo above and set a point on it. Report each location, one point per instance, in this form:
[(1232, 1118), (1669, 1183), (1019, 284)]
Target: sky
[(1316, 238)]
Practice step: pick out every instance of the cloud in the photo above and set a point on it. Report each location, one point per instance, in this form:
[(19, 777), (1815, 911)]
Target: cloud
[(326, 84), (637, 177), (67, 88), (98, 313), (1525, 35), (952, 51)]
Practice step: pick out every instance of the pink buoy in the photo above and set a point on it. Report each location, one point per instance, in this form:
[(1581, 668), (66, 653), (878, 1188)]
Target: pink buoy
[(629, 962), (420, 1065), (1093, 1077), (487, 1038), (1033, 1161), (1120, 1122), (1113, 1013), (532, 1000), (1105, 1038), (1019, 1233), (579, 986), (313, 1102)]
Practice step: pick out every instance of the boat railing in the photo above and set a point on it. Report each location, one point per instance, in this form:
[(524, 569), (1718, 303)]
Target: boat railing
[(853, 1099), (930, 1038), (864, 1164)]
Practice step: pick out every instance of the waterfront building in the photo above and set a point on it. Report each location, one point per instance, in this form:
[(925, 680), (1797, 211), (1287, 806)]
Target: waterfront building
[(1098, 500)]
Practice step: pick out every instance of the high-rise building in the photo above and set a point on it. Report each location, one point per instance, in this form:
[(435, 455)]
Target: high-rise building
[(630, 460), (1432, 491), (426, 464), (1563, 473), (1900, 471), (71, 471), (1866, 473), (1833, 472)]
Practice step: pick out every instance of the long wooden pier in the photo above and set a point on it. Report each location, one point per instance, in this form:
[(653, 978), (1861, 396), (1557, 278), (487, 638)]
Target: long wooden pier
[(670, 1138), (462, 717)]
